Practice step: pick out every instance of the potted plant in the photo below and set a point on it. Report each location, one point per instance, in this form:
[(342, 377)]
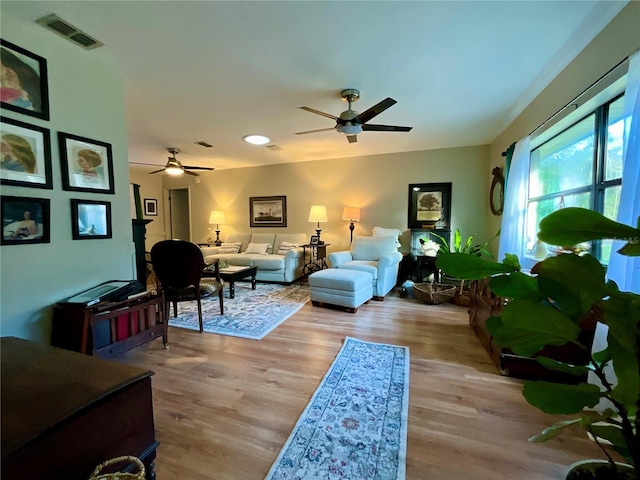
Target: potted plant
[(467, 247), (544, 308)]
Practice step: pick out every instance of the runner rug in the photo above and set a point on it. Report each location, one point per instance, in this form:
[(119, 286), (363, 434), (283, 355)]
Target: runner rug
[(355, 425), (251, 314)]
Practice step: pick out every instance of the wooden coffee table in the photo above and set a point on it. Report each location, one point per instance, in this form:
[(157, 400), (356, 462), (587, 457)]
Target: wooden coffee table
[(232, 274)]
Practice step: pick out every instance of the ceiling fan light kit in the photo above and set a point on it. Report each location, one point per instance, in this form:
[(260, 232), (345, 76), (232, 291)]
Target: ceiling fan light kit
[(174, 167), (351, 123)]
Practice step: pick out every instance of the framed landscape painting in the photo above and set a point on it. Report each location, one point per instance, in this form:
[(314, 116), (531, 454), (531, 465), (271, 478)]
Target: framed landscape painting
[(268, 211), (24, 81), (26, 154), (87, 165), (25, 220), (429, 205)]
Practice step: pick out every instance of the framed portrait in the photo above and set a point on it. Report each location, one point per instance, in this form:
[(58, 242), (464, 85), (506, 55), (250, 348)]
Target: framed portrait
[(268, 211), (315, 240), (25, 220), (24, 81), (429, 205), (151, 207), (26, 154), (87, 165), (90, 219)]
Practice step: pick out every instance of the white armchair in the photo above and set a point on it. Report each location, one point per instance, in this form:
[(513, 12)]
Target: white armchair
[(378, 256)]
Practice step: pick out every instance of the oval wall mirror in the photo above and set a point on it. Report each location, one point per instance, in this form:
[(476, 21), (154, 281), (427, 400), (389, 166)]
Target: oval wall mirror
[(496, 195)]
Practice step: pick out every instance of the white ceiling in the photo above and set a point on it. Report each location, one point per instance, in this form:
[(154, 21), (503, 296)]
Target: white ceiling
[(461, 71)]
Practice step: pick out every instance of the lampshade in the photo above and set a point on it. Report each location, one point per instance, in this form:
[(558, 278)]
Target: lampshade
[(216, 217), (351, 214), (318, 213)]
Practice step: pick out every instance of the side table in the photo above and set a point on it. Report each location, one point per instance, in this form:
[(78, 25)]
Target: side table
[(317, 258), (426, 265)]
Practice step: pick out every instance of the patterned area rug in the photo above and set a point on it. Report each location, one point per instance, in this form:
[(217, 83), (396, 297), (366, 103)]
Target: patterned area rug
[(355, 426), (251, 314)]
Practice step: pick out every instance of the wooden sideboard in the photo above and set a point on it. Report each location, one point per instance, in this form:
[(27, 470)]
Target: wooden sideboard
[(483, 304), (63, 413)]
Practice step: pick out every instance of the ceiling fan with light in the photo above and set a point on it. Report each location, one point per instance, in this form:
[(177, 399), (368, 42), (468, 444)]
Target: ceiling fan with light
[(351, 123), (174, 167)]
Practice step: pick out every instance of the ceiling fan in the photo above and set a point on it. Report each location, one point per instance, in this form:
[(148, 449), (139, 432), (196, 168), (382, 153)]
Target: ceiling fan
[(350, 122), (174, 167)]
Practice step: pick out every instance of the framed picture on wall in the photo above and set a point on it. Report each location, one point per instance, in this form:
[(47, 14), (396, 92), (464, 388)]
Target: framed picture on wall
[(26, 154), (151, 207), (24, 81), (25, 220), (87, 165), (90, 219), (429, 205), (268, 211)]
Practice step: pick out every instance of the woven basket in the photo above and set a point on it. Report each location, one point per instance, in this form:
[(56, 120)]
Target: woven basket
[(433, 293), (98, 473)]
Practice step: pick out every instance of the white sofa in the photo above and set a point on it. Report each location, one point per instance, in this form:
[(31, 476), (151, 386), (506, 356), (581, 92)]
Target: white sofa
[(378, 256), (271, 266)]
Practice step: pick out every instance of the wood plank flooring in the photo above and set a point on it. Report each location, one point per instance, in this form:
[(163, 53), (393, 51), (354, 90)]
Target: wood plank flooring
[(224, 406)]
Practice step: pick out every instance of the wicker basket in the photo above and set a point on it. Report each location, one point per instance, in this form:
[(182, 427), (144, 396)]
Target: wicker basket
[(99, 472), (433, 293)]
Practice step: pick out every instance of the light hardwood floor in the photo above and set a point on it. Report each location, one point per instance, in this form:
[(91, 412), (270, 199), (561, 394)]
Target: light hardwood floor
[(224, 406)]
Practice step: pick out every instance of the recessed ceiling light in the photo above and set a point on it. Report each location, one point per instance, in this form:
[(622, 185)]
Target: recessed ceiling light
[(256, 139)]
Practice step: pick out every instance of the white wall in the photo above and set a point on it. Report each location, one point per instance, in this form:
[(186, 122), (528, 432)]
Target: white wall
[(86, 99)]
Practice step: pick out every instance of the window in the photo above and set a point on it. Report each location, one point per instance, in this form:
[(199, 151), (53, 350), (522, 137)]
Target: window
[(579, 167)]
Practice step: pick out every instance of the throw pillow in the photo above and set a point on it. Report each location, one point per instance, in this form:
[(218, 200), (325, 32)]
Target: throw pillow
[(258, 248), (387, 232), (230, 247), (286, 246)]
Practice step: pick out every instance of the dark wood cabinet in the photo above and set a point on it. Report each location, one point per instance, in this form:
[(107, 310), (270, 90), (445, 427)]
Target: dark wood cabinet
[(63, 413), (108, 329), (483, 304)]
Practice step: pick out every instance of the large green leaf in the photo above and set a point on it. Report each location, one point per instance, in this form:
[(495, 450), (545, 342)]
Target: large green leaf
[(470, 267), (574, 282), (528, 325), (631, 248), (553, 430), (552, 364), (559, 398), (512, 260), (515, 285), (614, 435), (572, 225)]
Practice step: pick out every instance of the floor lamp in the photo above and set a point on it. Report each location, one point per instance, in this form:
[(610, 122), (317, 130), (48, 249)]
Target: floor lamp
[(351, 214)]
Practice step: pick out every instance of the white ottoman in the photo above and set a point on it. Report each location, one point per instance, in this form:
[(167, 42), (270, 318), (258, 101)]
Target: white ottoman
[(338, 286)]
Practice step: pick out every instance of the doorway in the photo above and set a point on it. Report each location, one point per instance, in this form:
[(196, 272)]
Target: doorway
[(178, 213)]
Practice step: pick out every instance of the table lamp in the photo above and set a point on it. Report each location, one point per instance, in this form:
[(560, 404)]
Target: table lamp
[(216, 218), (318, 213), (351, 214)]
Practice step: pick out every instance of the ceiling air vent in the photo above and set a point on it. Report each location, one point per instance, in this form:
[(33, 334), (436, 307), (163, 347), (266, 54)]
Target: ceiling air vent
[(65, 29), (275, 148), (204, 144)]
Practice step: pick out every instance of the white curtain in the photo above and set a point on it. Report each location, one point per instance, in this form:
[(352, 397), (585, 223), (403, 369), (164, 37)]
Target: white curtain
[(515, 202), (625, 271)]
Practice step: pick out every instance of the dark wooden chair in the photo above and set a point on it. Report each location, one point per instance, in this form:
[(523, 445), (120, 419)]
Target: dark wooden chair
[(178, 266)]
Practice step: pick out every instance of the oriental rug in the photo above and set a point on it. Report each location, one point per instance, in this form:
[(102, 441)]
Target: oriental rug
[(251, 314), (355, 425)]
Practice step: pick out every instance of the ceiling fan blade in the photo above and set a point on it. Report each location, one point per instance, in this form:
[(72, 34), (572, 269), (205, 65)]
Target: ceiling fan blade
[(315, 131), (191, 173), (352, 138), (146, 164), (385, 128), (318, 112), (197, 168), (375, 110), (157, 171)]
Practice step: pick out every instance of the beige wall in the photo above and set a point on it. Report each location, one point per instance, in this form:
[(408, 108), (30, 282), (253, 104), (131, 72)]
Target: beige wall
[(86, 99), (377, 184), (617, 40)]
